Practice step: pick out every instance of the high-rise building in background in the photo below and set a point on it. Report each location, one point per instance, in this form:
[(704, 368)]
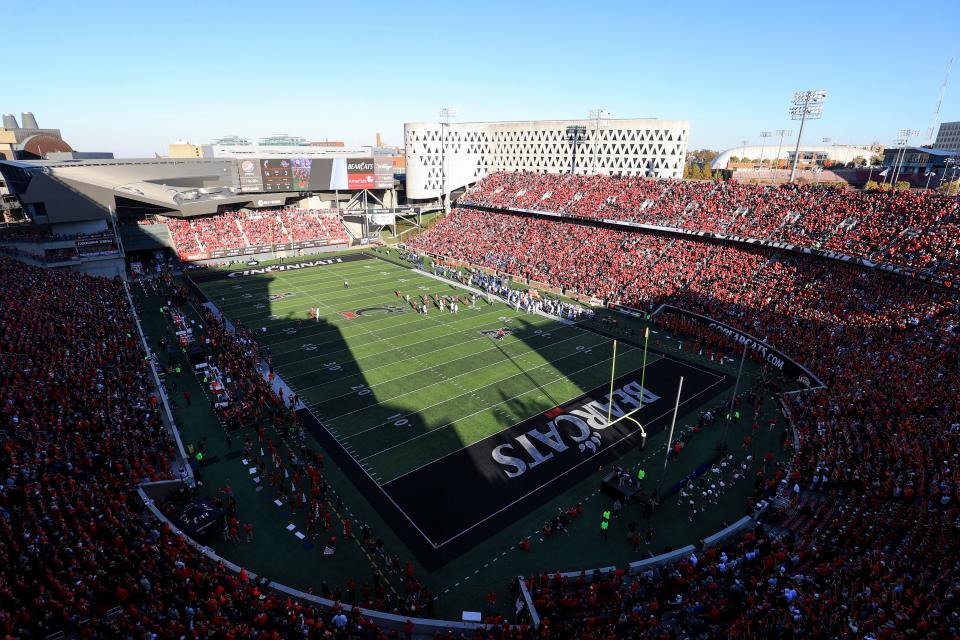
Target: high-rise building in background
[(948, 136)]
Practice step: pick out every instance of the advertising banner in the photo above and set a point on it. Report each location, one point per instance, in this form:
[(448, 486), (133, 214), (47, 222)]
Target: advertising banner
[(250, 177), (385, 219), (779, 360), (383, 172), (360, 174)]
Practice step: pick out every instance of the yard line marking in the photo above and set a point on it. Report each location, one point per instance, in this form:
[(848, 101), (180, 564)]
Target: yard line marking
[(425, 367), (365, 372), (461, 418), (474, 390), (510, 426)]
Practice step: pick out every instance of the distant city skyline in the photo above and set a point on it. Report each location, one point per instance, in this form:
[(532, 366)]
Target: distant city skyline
[(111, 80)]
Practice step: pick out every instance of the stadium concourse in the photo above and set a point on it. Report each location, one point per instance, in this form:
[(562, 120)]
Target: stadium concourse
[(863, 545)]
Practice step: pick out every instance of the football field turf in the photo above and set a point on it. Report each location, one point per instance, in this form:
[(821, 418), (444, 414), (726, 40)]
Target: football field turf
[(451, 425)]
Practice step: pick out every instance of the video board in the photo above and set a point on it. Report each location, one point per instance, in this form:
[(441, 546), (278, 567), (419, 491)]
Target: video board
[(315, 174), (277, 174), (301, 168)]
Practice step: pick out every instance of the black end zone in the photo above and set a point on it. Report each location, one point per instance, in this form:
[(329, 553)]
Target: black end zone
[(457, 500)]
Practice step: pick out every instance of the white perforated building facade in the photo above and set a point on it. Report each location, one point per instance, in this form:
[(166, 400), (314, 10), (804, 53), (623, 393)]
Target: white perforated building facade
[(639, 147)]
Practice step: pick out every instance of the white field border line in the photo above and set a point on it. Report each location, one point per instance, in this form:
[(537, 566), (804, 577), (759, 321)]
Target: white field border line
[(365, 372), (461, 418), (555, 478), (508, 427), (470, 391), (519, 357), (376, 482)]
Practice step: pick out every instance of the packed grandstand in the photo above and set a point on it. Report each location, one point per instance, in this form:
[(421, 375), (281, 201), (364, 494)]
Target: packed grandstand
[(869, 549), (261, 228)]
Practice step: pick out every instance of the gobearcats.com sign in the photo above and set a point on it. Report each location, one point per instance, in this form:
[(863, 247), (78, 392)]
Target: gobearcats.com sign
[(578, 427)]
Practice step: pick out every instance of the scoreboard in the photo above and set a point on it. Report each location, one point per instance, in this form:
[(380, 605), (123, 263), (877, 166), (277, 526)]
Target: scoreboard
[(315, 174)]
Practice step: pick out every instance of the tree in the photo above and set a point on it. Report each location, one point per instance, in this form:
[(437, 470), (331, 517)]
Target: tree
[(734, 158), (859, 161), (876, 160), (872, 185), (950, 187), (902, 185), (705, 156)]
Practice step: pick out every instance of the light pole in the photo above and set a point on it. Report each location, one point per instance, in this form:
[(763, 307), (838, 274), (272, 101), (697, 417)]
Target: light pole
[(763, 145), (806, 105), (930, 174), (599, 120), (576, 133), (905, 134), (892, 169), (743, 147), (776, 160), (446, 113), (953, 173)]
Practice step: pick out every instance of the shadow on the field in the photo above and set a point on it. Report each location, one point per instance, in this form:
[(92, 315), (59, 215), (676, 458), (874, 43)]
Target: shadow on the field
[(526, 374), (418, 469)]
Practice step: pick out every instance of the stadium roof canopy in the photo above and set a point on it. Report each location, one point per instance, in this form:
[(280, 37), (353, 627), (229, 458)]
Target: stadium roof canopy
[(83, 189)]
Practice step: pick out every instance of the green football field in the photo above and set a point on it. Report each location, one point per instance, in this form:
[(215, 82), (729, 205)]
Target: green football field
[(399, 389)]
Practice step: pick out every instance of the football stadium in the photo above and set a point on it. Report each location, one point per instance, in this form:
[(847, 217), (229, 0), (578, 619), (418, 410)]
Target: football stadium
[(521, 379)]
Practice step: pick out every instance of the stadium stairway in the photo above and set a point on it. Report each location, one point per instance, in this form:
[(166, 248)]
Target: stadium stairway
[(243, 233)]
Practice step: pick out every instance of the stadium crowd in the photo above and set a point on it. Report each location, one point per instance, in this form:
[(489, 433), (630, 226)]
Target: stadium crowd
[(880, 440), (878, 557), (253, 228), (80, 428), (918, 230)]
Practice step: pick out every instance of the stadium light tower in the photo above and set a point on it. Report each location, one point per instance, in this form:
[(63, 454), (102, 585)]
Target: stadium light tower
[(576, 133), (599, 117), (807, 105), (904, 140), (763, 144), (446, 113), (776, 160), (900, 143)]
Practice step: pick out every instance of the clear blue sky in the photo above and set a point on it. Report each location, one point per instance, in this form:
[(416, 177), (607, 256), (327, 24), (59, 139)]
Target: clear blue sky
[(130, 77)]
